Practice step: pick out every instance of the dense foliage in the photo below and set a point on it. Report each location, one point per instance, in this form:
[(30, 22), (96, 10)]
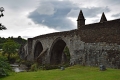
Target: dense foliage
[(4, 66), (18, 40), (9, 47), (8, 54)]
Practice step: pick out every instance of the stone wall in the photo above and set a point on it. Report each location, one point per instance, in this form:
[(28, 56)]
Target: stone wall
[(95, 54), (108, 32)]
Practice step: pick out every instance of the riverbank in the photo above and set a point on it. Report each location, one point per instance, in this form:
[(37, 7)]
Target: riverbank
[(70, 73)]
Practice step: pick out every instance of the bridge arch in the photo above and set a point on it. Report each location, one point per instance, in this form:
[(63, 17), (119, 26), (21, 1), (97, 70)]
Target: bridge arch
[(57, 56), (38, 48)]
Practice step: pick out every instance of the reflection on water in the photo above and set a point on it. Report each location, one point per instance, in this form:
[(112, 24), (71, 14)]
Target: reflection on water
[(18, 68)]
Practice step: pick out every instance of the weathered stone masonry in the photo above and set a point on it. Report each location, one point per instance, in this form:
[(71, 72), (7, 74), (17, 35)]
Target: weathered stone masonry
[(90, 45)]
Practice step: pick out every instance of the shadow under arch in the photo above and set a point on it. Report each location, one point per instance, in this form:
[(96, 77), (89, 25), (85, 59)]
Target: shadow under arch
[(57, 56), (38, 48)]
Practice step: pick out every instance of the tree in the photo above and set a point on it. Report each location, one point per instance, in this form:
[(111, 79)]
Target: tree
[(19, 41), (2, 27), (9, 48), (4, 67)]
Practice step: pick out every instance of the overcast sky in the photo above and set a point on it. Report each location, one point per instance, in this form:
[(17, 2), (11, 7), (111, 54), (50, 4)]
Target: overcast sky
[(30, 18)]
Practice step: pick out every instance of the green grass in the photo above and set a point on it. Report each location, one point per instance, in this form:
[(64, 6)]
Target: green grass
[(71, 73)]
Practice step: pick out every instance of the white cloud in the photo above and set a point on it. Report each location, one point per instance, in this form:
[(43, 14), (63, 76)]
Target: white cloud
[(16, 20), (32, 32)]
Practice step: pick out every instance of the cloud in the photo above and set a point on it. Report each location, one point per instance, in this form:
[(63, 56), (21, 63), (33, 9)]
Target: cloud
[(112, 2), (45, 10), (89, 12), (54, 14), (116, 15), (19, 5), (94, 11)]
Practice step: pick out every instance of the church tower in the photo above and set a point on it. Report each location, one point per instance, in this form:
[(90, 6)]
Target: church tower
[(80, 20), (103, 18)]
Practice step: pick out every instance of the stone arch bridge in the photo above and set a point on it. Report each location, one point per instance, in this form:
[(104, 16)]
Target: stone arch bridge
[(51, 46), (91, 45)]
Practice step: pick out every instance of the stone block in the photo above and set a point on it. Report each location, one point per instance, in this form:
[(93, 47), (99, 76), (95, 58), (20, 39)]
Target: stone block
[(102, 68)]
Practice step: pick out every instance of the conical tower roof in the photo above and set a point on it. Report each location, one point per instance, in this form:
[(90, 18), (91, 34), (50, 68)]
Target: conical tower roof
[(103, 18), (81, 16)]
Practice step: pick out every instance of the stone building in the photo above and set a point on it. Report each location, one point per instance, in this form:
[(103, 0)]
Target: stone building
[(91, 44)]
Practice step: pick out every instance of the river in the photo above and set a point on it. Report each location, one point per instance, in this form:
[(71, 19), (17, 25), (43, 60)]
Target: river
[(18, 68)]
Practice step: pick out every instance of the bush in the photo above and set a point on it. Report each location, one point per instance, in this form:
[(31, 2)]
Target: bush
[(28, 64), (34, 67), (4, 67), (14, 58)]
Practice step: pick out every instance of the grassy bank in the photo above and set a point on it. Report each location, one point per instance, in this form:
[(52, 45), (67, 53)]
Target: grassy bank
[(71, 73)]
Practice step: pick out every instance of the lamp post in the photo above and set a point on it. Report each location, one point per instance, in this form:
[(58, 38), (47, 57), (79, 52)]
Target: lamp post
[(2, 27)]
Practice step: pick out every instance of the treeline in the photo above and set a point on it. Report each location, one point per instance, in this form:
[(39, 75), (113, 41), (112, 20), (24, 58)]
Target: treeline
[(17, 40)]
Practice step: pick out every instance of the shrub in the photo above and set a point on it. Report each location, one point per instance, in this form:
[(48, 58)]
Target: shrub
[(4, 67), (14, 58), (34, 67), (28, 64)]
